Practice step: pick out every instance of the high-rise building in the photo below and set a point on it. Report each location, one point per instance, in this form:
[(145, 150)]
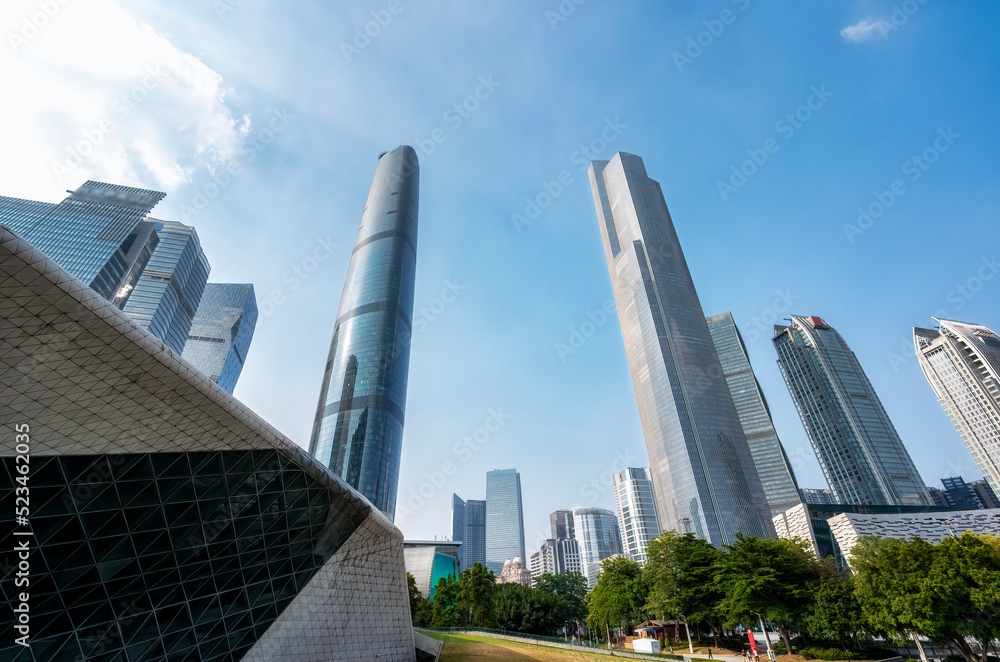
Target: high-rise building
[(862, 457), (97, 233), (598, 538), (556, 557), (359, 421), (985, 493), (702, 469), (938, 497), (561, 522), (816, 495), (221, 332), (504, 518), (962, 363), (468, 526), (776, 476), (637, 517), (959, 494)]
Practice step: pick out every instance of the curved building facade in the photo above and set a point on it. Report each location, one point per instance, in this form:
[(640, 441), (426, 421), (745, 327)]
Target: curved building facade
[(359, 421)]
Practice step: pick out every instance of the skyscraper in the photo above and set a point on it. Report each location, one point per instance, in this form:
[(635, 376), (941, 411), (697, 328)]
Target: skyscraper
[(359, 421), (637, 517), (769, 456), (221, 332), (556, 557), (962, 363), (504, 518), (468, 526), (862, 457), (97, 233), (169, 290), (959, 494), (984, 493), (598, 538), (703, 473), (561, 522)]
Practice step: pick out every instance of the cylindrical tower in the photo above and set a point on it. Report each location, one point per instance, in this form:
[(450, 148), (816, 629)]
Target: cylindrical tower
[(359, 421)]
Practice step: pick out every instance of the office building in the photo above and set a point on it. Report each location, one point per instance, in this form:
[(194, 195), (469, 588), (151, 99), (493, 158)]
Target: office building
[(98, 234), (556, 557), (638, 521), (962, 363), (358, 429), (221, 332), (938, 497), (776, 476), (862, 457), (985, 493), (561, 522), (597, 537), (816, 495), (703, 472), (168, 292), (167, 520), (430, 561), (468, 526), (813, 522), (504, 518), (959, 494)]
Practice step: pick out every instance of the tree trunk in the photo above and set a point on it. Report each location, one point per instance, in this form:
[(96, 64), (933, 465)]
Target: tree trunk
[(964, 648), (691, 645), (784, 636), (715, 634)]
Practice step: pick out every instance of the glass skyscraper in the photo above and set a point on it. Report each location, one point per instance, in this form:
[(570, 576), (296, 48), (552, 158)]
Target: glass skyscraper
[(561, 522), (504, 518), (598, 538), (468, 526), (776, 476), (221, 332), (637, 517), (862, 456), (962, 363), (97, 233), (359, 421), (702, 469), (169, 290)]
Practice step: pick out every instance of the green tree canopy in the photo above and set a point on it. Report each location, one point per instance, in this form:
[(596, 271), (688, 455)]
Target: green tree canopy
[(447, 613), (477, 594), (525, 609), (835, 612), (421, 611), (571, 589), (619, 597)]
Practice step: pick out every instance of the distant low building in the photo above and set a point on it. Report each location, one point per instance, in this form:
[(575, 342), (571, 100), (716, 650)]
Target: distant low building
[(987, 496), (816, 495), (429, 561), (514, 572)]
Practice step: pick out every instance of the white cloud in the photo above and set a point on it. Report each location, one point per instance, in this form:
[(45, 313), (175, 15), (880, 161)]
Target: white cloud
[(865, 30), (92, 94)]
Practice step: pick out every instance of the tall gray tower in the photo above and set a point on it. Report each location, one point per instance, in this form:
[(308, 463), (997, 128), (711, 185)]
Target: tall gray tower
[(701, 467), (862, 456), (359, 421)]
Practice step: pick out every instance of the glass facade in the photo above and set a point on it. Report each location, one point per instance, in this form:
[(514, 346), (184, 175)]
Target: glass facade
[(862, 457), (637, 517), (468, 526), (96, 233), (703, 472), (429, 562), (776, 476), (504, 518), (168, 292), (597, 538), (962, 363), (169, 556), (221, 332), (561, 522), (359, 421)]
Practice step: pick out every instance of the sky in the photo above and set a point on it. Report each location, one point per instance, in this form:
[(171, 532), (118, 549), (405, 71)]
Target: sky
[(836, 159)]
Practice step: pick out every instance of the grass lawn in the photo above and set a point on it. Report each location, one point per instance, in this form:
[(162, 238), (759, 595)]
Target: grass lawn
[(476, 649)]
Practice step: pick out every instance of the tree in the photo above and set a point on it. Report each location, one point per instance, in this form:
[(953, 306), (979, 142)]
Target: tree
[(619, 597), (571, 590), (477, 594), (767, 578), (447, 613), (421, 611), (525, 609), (835, 612), (680, 571)]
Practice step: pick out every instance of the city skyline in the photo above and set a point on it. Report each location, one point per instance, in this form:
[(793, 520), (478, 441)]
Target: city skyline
[(500, 300)]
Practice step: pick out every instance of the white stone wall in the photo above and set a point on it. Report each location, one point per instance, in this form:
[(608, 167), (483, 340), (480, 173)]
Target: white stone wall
[(794, 523), (847, 528), (355, 609)]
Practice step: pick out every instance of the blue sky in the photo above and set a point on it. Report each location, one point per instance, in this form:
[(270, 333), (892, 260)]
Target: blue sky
[(178, 96)]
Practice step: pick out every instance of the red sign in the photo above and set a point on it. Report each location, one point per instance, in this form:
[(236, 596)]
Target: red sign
[(753, 642)]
